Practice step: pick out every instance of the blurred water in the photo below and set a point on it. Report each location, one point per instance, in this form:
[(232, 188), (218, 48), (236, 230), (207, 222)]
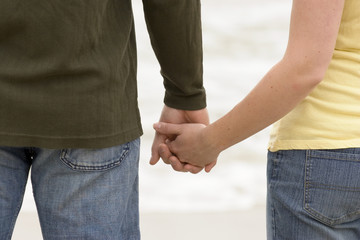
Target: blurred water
[(242, 40)]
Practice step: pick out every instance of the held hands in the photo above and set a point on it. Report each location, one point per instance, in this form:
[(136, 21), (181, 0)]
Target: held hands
[(160, 148), (189, 145)]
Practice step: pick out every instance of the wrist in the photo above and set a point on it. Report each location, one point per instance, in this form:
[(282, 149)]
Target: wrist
[(212, 142)]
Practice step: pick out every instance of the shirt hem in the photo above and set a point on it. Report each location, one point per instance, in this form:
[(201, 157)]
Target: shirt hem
[(313, 144), (12, 140)]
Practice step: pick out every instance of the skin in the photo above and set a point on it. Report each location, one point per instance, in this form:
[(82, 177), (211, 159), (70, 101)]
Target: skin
[(313, 31), (172, 115)]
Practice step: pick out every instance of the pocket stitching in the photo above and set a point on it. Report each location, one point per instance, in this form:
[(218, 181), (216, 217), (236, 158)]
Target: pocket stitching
[(307, 184), (315, 214), (65, 159), (333, 187), (331, 222), (274, 173), (335, 156)]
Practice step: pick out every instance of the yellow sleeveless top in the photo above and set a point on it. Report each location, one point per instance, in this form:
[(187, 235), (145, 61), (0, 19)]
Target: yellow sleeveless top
[(329, 118)]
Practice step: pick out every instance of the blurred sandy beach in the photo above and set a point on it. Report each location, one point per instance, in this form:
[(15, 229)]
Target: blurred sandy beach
[(248, 224), (242, 41)]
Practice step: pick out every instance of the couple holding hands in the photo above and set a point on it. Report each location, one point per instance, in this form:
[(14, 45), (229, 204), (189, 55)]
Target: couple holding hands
[(68, 103), (312, 95)]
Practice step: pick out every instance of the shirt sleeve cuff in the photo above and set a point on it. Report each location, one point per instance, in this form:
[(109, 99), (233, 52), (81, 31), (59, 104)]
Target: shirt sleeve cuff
[(191, 102)]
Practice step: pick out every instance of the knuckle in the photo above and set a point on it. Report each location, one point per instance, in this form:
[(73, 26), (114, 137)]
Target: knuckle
[(195, 171), (166, 161)]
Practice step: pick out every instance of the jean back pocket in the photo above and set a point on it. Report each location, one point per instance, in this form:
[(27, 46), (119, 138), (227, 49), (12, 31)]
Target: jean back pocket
[(94, 159), (332, 185)]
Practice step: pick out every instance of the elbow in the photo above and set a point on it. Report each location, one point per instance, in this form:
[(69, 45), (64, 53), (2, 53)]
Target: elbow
[(306, 82), (307, 67), (314, 77), (306, 75)]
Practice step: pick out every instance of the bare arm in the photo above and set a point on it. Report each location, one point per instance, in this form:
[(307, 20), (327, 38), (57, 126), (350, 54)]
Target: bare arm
[(313, 31)]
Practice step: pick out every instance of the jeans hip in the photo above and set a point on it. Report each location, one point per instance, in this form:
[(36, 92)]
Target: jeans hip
[(314, 194)]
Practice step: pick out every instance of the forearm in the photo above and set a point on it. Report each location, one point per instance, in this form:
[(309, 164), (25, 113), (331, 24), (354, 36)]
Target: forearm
[(281, 89), (312, 37), (313, 32)]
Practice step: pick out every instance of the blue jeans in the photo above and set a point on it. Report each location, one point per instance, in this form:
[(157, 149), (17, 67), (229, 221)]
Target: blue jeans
[(79, 193), (314, 194)]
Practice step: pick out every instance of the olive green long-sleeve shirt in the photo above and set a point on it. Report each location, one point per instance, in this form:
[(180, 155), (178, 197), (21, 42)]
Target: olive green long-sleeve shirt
[(68, 69)]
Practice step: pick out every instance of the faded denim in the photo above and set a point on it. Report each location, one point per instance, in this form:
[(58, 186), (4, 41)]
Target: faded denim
[(79, 193), (313, 194)]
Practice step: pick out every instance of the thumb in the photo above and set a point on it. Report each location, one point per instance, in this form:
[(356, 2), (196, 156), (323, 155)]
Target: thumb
[(167, 128)]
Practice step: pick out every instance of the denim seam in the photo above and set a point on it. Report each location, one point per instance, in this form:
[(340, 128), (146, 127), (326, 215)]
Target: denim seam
[(119, 158), (335, 158), (315, 214), (17, 212), (332, 187), (278, 157), (273, 221), (275, 169), (307, 169), (307, 180)]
